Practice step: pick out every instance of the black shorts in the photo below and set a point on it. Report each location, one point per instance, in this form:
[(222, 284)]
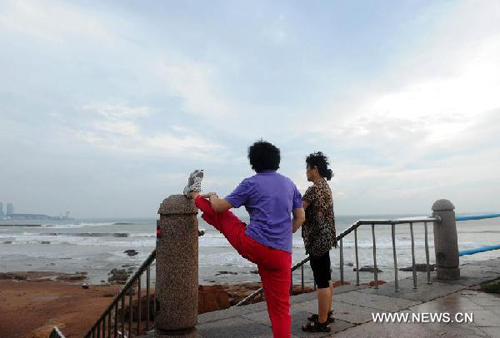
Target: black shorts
[(321, 270)]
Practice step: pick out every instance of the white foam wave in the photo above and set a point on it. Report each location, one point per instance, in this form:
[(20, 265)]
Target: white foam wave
[(77, 225)]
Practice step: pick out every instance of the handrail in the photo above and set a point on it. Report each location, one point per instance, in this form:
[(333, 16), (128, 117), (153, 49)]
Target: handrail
[(478, 250), (120, 296), (56, 333), (354, 227), (475, 217)]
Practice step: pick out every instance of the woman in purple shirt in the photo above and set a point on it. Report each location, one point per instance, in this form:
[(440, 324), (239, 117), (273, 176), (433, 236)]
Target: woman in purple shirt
[(270, 199)]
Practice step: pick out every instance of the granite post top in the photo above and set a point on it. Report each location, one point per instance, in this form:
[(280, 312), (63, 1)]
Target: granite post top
[(177, 205)]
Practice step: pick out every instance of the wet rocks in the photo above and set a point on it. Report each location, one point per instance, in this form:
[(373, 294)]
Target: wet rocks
[(367, 268), (119, 276), (131, 252), (13, 275), (74, 277), (419, 267), (226, 273)]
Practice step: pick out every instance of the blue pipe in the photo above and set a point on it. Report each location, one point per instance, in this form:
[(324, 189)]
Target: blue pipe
[(478, 250), (475, 217)]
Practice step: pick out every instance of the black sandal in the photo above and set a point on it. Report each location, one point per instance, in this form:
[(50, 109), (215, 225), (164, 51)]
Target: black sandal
[(316, 326), (315, 317)]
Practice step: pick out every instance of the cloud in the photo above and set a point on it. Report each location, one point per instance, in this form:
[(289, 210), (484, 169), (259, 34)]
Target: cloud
[(117, 110), (195, 83), (117, 128), (54, 21)]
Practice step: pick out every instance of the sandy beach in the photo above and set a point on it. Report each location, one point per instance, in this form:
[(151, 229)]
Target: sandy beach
[(32, 307)]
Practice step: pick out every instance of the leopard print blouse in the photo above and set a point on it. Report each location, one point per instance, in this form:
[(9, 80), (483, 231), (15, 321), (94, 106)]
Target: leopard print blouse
[(318, 231)]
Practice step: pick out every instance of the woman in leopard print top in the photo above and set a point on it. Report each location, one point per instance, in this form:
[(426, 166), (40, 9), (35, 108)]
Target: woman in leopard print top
[(318, 232)]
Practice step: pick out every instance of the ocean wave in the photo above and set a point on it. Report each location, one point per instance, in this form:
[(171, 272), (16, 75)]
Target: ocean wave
[(86, 234), (76, 225)]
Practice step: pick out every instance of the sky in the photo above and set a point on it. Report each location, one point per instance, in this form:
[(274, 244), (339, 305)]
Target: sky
[(106, 107)]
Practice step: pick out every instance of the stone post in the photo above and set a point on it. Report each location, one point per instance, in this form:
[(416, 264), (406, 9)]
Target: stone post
[(177, 268), (446, 241)]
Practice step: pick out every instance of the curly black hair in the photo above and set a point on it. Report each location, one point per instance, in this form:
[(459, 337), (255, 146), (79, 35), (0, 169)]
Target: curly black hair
[(320, 161), (264, 156)]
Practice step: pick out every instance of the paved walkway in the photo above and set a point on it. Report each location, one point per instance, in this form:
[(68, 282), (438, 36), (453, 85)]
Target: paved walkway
[(353, 308)]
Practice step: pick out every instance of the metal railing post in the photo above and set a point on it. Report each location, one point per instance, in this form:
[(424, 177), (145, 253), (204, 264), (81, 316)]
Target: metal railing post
[(396, 280), (414, 266), (357, 255), (375, 269), (341, 262)]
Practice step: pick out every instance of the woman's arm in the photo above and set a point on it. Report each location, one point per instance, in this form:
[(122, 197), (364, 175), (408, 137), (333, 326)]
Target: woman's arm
[(219, 205), (299, 216)]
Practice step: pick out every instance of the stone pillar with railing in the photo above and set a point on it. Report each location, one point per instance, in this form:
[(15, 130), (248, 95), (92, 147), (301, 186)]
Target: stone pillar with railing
[(446, 241), (177, 268)]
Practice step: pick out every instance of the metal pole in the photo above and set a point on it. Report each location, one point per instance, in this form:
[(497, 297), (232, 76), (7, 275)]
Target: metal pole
[(341, 262), (302, 277), (428, 268), (116, 320), (414, 267), (123, 315), (375, 269), (357, 255), (130, 309), (139, 306), (148, 281), (109, 324), (396, 281)]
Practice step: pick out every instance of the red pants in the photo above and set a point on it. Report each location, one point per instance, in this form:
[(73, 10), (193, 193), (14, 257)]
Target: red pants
[(274, 265)]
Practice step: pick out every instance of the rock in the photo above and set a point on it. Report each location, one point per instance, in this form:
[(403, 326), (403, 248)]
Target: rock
[(201, 233), (212, 298), (7, 242), (372, 283), (350, 264), (255, 272), (118, 276), (226, 273), (131, 252), (367, 268), (419, 267), (491, 287), (44, 242), (15, 276), (85, 286), (74, 277)]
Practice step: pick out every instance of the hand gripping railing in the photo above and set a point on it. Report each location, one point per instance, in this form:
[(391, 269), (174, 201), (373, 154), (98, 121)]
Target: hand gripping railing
[(354, 228), (108, 324)]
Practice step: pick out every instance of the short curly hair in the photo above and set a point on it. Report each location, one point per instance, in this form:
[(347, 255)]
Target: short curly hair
[(264, 156), (320, 161)]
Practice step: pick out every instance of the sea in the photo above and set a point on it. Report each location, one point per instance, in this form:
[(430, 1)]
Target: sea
[(97, 246)]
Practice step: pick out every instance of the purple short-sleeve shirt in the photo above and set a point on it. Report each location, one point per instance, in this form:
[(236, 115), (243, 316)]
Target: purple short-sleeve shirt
[(269, 198)]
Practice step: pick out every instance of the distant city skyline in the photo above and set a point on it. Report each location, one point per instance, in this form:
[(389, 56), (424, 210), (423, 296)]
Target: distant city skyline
[(106, 107)]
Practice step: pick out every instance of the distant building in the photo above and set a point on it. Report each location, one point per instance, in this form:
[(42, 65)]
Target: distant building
[(10, 209), (2, 215)]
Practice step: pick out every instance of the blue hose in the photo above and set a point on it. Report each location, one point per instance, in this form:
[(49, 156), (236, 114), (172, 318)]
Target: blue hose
[(478, 250)]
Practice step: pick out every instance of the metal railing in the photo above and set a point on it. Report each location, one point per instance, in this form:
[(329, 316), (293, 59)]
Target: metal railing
[(354, 228), (112, 322), (461, 218), (56, 333)]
